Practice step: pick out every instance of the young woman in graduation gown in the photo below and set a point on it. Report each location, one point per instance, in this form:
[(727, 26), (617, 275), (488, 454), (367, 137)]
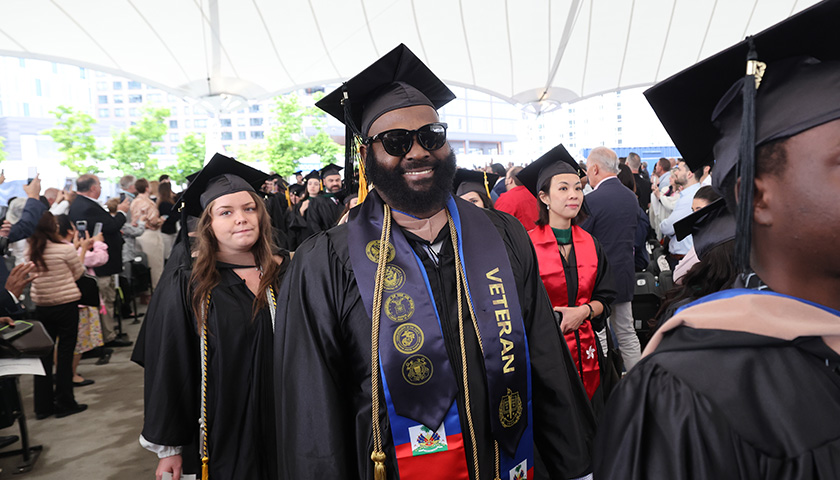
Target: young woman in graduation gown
[(574, 269), (227, 283)]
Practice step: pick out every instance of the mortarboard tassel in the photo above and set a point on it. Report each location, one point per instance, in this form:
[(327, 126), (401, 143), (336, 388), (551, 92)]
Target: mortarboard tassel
[(486, 185), (746, 163), (288, 200), (351, 133), (363, 186)]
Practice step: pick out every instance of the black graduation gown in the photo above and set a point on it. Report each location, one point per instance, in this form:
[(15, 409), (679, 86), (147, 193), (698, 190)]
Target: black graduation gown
[(298, 230), (604, 292), (323, 213), (277, 210), (323, 353), (722, 404), (240, 394)]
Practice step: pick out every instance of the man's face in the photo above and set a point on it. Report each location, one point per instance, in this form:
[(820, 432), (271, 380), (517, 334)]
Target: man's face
[(332, 183), (802, 201), (680, 174), (509, 184), (418, 182), (299, 178), (96, 189)]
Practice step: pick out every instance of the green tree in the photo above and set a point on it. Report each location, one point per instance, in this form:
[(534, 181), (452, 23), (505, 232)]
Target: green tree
[(190, 158), (2, 150), (132, 146), (287, 142), (73, 134)]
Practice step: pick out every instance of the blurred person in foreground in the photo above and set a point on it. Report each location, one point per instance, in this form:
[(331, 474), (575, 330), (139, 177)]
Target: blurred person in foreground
[(745, 383)]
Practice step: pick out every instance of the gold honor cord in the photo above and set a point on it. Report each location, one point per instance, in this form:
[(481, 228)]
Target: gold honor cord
[(378, 455), (205, 459), (462, 287)]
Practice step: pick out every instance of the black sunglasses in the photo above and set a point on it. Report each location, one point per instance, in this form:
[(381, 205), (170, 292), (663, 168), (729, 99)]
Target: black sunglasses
[(398, 142)]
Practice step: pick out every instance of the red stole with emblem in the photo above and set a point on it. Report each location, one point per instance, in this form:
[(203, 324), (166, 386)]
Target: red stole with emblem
[(554, 279)]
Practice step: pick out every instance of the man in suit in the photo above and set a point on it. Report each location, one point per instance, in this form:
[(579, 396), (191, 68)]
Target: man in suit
[(642, 183), (85, 207), (613, 210)]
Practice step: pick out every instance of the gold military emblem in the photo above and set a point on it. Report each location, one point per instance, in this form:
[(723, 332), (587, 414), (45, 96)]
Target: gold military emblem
[(408, 338), (399, 307), (417, 369), (372, 251), (510, 409), (394, 278)]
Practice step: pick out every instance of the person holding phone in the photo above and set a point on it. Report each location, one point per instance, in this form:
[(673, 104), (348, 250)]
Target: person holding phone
[(85, 207), (56, 297)]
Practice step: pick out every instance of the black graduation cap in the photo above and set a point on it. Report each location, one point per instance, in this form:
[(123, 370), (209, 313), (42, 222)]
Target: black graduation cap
[(297, 172), (473, 181), (710, 226), (297, 189), (712, 110), (221, 176), (314, 174), (192, 176), (331, 169), (554, 162), (397, 80)]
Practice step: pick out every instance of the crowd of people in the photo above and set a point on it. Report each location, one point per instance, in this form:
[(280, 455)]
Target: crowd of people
[(417, 320)]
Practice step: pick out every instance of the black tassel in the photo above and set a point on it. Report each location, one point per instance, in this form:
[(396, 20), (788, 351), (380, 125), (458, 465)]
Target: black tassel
[(746, 165), (351, 184)]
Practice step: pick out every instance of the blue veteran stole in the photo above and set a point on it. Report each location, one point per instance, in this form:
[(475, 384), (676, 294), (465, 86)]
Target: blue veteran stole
[(417, 377)]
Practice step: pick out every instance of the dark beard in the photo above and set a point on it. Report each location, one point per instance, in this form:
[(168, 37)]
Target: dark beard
[(392, 185)]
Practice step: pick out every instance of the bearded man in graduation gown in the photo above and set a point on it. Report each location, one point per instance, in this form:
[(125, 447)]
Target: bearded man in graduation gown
[(745, 383), (470, 372), (325, 209)]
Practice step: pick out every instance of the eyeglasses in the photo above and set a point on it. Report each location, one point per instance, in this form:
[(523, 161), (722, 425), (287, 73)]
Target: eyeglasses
[(398, 142)]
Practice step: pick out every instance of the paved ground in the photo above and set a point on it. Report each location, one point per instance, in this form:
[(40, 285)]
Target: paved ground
[(100, 442)]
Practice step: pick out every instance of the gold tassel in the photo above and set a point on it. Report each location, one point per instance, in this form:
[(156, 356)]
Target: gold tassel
[(205, 468), (288, 200), (379, 465), (363, 188), (486, 186)]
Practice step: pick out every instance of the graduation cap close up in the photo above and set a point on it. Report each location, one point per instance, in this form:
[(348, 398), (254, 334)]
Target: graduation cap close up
[(554, 162), (710, 226), (221, 176), (397, 80), (714, 111), (331, 169), (473, 181)]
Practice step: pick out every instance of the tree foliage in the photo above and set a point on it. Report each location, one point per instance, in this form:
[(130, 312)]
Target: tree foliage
[(132, 147), (74, 135), (2, 150), (287, 142), (190, 158)]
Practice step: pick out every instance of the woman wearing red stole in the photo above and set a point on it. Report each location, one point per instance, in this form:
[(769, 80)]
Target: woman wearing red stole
[(572, 264)]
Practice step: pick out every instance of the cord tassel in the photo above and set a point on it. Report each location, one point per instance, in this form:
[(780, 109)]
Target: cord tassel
[(205, 468), (746, 163), (378, 465)]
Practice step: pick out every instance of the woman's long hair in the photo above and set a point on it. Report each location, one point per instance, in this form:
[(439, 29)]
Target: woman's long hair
[(165, 194), (715, 272), (45, 231), (205, 276)]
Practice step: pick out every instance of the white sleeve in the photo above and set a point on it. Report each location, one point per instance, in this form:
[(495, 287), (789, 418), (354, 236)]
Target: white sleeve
[(60, 208), (162, 451), (585, 477)]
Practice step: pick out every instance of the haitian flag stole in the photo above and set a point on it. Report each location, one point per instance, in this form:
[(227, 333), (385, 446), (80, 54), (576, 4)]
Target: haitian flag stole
[(554, 279), (417, 377)]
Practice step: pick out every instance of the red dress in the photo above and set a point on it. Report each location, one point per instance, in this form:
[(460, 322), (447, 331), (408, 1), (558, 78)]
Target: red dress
[(582, 342)]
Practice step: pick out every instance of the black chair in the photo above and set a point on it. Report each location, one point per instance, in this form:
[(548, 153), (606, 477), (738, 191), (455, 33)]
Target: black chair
[(666, 282), (646, 302), (11, 411)]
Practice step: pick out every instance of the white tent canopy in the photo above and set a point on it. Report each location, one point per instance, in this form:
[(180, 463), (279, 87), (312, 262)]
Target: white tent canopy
[(537, 53)]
